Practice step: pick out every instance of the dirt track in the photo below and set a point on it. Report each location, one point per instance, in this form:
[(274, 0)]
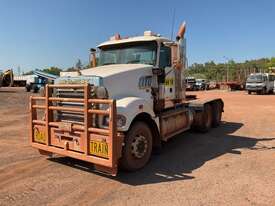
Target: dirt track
[(231, 165)]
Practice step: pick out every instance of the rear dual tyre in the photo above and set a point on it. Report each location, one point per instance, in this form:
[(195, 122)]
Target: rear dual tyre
[(206, 119), (210, 117), (217, 114)]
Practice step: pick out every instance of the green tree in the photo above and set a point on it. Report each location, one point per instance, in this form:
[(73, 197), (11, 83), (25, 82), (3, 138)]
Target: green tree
[(78, 64), (235, 71), (71, 69), (28, 73), (52, 70)]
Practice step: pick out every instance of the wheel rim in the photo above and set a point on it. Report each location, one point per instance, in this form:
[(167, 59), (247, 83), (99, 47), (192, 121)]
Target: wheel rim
[(139, 146)]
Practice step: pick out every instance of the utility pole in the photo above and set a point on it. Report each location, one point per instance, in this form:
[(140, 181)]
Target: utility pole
[(18, 70), (227, 68)]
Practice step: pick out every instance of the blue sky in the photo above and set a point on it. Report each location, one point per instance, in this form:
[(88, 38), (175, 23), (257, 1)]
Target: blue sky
[(42, 33)]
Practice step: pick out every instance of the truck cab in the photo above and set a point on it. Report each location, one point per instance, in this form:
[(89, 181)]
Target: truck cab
[(125, 72), (190, 83), (261, 83), (115, 113)]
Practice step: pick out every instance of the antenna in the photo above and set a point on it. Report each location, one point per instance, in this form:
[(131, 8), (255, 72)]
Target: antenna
[(173, 23)]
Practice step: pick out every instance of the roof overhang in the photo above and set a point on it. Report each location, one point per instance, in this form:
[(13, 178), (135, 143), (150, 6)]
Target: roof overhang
[(134, 39)]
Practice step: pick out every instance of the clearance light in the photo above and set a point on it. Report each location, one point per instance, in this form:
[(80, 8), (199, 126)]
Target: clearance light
[(115, 37), (149, 33)]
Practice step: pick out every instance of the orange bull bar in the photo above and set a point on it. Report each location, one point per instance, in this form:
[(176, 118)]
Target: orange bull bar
[(100, 146)]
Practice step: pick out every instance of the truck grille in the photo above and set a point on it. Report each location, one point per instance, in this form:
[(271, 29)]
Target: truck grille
[(68, 116)]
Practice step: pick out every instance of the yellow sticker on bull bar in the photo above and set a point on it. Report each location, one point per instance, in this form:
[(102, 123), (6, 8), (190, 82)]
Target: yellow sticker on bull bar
[(99, 148), (169, 82), (39, 136)]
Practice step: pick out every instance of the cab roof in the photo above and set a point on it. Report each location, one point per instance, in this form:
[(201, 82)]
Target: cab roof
[(134, 39)]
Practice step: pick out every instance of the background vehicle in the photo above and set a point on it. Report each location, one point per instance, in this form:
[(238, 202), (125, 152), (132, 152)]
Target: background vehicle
[(21, 80), (38, 80), (261, 83), (6, 78), (213, 85), (115, 114), (190, 83), (201, 84), (1, 76)]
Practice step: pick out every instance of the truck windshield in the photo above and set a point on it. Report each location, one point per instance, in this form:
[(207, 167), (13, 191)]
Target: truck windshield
[(200, 81), (255, 78), (134, 53), (190, 80)]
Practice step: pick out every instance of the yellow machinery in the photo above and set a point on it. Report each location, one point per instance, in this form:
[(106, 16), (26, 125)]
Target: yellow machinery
[(6, 79)]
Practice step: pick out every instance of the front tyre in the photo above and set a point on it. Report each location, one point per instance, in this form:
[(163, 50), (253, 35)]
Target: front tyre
[(34, 89), (28, 88), (138, 147)]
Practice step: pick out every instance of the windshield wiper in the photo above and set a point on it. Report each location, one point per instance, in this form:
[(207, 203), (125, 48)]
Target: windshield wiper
[(133, 61)]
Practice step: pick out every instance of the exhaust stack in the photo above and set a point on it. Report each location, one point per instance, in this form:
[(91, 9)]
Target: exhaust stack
[(181, 31), (93, 57)]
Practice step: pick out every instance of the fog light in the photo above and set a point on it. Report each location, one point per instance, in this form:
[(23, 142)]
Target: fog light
[(121, 120)]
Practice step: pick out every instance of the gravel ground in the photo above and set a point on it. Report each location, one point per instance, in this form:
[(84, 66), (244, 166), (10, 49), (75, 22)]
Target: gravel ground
[(231, 165)]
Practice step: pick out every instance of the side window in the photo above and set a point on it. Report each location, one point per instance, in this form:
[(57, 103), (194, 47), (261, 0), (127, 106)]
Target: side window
[(165, 57)]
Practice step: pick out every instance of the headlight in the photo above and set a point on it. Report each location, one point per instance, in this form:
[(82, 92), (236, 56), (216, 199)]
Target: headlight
[(101, 92), (121, 120)]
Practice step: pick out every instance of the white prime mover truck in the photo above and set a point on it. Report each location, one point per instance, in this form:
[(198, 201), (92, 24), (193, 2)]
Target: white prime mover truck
[(114, 114)]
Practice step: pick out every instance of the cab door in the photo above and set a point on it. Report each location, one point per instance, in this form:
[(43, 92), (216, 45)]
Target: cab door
[(169, 76)]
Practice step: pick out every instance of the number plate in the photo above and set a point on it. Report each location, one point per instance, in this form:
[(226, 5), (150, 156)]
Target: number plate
[(99, 148), (39, 136)]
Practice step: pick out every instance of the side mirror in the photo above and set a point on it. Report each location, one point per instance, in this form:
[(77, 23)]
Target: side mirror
[(165, 57)]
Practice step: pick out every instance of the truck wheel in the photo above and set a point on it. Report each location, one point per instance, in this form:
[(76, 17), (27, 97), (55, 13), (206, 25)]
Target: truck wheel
[(206, 119), (263, 91), (217, 114), (35, 89), (249, 92), (138, 147), (28, 88)]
